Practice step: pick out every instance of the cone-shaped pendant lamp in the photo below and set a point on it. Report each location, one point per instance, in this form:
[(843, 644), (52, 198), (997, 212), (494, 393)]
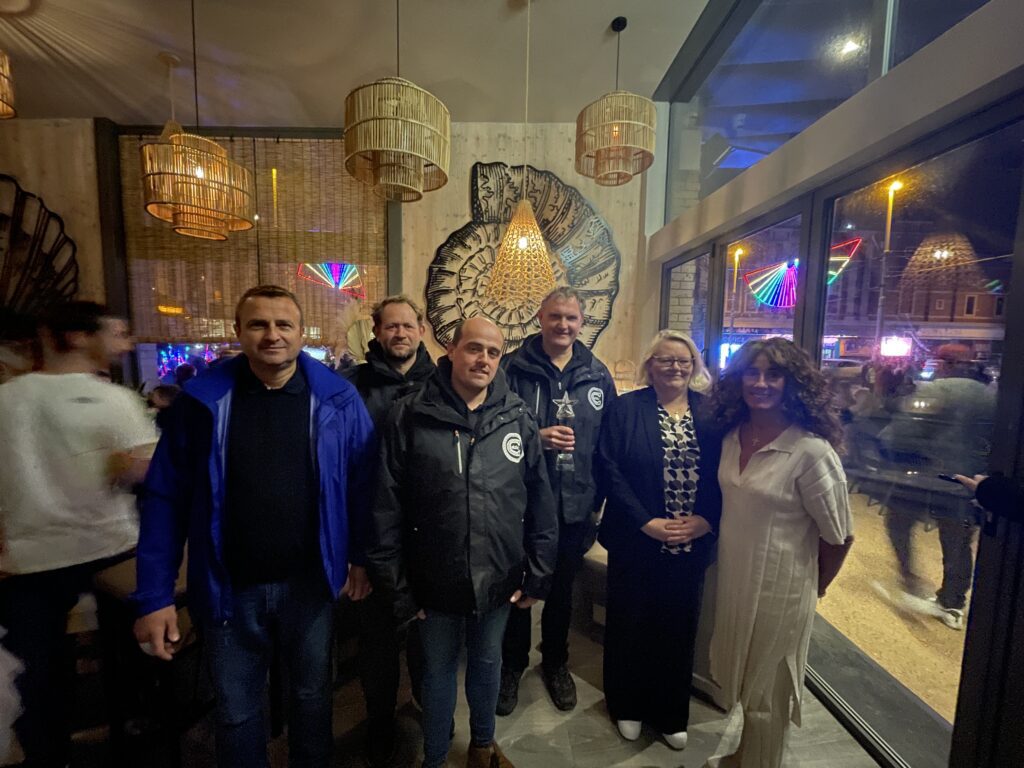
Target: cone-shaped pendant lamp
[(189, 181), (522, 274), (397, 136), (7, 109), (615, 134)]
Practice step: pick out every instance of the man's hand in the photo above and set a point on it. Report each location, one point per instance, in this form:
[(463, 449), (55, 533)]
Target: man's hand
[(156, 632), (357, 585), (561, 439), (971, 484), (522, 601)]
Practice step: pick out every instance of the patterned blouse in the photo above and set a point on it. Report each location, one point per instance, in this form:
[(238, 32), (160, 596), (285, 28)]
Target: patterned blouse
[(681, 464)]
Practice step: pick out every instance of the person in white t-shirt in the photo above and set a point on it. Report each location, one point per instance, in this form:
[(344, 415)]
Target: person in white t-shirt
[(73, 444)]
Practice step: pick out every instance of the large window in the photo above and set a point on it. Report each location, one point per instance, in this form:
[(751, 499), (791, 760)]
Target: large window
[(918, 22), (919, 273)]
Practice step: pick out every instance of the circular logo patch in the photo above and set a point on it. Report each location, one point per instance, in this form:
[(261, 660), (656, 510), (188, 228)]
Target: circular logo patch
[(512, 447), (596, 398)]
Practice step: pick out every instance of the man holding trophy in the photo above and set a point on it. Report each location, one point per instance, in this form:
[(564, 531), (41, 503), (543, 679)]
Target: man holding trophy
[(567, 388)]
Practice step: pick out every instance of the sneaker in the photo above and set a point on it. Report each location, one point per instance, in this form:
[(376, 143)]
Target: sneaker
[(675, 740), (951, 617), (560, 687), (508, 694), (629, 729)]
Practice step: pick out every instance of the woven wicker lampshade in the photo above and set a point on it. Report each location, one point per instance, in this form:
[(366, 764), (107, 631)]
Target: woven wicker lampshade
[(397, 139), (190, 182), (522, 274), (615, 138), (7, 109)]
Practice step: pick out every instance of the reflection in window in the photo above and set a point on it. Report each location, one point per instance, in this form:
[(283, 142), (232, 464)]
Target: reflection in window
[(760, 286), (919, 269), (688, 298), (792, 62)]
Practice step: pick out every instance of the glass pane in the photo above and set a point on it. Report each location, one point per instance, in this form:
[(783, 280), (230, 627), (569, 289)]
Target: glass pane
[(792, 62), (688, 298), (918, 22), (919, 272), (760, 286)]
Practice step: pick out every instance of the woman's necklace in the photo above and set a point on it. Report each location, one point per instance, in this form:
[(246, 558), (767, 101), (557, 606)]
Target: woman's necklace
[(756, 441), (676, 411)]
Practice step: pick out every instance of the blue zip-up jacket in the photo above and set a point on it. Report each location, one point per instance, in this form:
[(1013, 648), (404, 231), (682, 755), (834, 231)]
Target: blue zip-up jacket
[(185, 486)]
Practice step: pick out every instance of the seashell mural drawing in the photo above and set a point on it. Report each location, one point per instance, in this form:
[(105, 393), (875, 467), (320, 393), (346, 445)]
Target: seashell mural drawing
[(583, 252)]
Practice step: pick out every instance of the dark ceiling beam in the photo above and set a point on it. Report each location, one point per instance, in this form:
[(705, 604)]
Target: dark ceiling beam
[(718, 25)]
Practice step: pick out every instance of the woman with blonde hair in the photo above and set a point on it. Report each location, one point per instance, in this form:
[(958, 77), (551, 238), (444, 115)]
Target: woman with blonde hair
[(785, 530), (659, 464)]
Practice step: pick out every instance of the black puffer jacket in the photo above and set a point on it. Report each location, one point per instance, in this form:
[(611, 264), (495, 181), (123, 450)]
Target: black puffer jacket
[(381, 386), (463, 517), (533, 377)]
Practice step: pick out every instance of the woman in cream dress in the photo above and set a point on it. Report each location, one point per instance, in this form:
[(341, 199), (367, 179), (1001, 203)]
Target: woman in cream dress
[(785, 528)]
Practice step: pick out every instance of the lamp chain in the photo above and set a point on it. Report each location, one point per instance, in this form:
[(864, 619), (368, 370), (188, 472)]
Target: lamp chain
[(170, 88), (526, 109), (618, 49), (398, 39), (195, 63)]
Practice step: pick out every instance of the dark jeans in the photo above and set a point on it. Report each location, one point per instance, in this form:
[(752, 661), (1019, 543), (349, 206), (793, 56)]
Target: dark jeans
[(956, 534), (296, 616), (442, 637), (650, 631), (34, 610), (556, 615), (379, 666)]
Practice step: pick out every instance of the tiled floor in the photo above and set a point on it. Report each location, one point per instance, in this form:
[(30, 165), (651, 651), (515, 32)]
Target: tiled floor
[(536, 735)]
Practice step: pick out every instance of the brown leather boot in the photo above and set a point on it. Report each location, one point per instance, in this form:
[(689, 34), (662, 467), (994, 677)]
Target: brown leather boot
[(490, 756)]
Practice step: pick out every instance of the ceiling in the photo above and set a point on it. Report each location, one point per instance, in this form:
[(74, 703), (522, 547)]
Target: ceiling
[(271, 63)]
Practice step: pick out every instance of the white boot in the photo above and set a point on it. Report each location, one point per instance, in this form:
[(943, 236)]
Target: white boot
[(629, 729), (675, 740)]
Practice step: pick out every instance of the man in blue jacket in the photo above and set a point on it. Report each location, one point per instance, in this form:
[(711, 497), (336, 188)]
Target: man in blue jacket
[(263, 469)]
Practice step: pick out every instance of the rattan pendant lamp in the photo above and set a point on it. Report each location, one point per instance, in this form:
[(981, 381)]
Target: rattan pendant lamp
[(615, 134), (188, 180), (522, 274), (7, 109), (397, 135)]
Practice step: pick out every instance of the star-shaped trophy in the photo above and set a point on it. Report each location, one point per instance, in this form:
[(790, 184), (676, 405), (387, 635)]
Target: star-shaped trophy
[(564, 417)]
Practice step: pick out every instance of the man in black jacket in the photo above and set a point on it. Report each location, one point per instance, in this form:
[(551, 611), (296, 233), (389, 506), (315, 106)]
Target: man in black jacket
[(396, 365), (568, 389), (464, 527)]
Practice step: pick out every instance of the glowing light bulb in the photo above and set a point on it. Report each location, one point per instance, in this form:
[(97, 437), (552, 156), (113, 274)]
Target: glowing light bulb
[(896, 186), (522, 243), (849, 47), (199, 172), (256, 217)]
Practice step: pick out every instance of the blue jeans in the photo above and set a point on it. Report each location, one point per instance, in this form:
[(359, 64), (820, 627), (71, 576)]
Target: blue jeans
[(296, 615), (441, 634)]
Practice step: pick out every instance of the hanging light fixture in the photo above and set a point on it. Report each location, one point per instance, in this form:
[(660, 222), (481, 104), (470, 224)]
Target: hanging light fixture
[(522, 274), (615, 134), (7, 109), (397, 135), (188, 180)]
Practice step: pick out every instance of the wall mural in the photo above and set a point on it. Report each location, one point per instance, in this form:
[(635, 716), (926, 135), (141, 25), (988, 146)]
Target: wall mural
[(38, 267), (584, 255)]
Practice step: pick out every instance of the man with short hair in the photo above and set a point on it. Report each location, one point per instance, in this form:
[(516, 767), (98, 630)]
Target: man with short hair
[(72, 445), (396, 365), (567, 388), (464, 528), (262, 467)]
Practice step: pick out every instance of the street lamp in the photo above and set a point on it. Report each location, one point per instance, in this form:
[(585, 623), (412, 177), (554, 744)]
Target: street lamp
[(895, 187), (735, 274)]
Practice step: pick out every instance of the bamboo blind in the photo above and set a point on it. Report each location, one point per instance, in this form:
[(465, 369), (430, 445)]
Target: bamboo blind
[(311, 212)]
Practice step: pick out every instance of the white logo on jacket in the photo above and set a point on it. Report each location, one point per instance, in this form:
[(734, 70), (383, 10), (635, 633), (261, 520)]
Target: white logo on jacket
[(512, 447), (596, 397)]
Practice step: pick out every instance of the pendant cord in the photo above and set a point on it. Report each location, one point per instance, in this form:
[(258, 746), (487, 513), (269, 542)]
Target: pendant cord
[(398, 39), (195, 64), (526, 109), (618, 50), (170, 88)]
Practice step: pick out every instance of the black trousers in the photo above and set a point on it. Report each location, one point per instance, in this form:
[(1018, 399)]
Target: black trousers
[(557, 612), (34, 610), (378, 660), (651, 626), (956, 535)]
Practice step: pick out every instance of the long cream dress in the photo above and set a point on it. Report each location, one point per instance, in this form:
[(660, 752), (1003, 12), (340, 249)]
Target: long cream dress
[(791, 493)]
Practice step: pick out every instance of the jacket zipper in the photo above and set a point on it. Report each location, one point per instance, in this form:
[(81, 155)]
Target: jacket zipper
[(458, 450)]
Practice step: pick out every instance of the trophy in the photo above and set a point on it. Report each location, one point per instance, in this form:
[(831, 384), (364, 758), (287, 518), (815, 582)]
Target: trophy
[(564, 417)]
